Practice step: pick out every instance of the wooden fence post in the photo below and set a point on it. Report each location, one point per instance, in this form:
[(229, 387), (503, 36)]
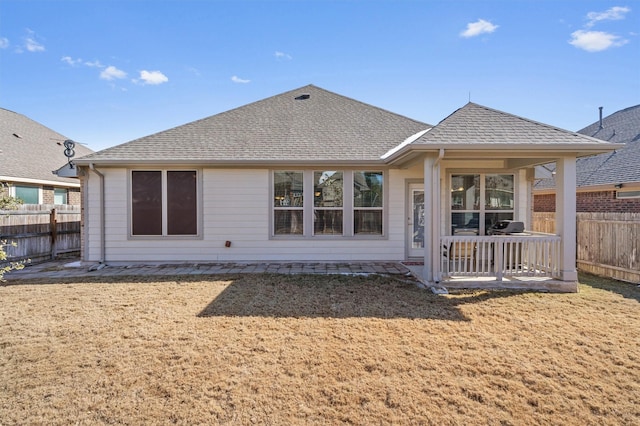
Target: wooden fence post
[(53, 225)]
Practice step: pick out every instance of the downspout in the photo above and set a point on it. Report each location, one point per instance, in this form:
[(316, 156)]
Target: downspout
[(435, 230), (440, 155), (102, 213)]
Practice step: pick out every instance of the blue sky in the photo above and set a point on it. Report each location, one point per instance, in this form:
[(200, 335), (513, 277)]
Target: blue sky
[(106, 72)]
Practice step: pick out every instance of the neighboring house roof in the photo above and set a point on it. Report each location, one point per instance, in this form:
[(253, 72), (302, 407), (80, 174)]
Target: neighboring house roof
[(622, 165), (619, 166), (308, 124), (30, 151)]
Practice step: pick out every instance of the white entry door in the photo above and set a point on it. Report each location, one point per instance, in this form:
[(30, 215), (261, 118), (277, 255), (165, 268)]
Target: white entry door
[(415, 232)]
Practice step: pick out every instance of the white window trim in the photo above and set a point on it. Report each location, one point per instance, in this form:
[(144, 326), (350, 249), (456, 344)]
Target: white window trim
[(165, 236), (12, 191), (66, 195), (620, 194)]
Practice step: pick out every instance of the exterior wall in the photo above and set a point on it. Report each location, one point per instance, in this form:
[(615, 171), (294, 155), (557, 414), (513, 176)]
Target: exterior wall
[(606, 202), (235, 207), (544, 203), (47, 194), (591, 202), (75, 197)]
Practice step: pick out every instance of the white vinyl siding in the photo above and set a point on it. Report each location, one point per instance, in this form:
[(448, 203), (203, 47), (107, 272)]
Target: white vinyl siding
[(236, 205)]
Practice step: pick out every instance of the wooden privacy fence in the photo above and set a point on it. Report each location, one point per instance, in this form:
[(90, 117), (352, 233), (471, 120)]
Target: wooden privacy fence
[(608, 244), (40, 232)]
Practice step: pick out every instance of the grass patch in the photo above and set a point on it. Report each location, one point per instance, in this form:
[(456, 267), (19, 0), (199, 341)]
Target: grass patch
[(310, 349)]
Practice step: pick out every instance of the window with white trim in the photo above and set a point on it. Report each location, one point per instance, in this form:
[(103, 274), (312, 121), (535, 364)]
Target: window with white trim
[(164, 202), (340, 203), (479, 201), (367, 203), (327, 202), (288, 202), (28, 194), (627, 194), (60, 196)]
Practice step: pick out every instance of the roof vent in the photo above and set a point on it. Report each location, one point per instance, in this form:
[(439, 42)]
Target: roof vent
[(17, 136), (601, 126), (303, 97)]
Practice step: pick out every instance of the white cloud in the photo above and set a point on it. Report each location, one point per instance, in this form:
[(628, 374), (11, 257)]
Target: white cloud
[(153, 77), (94, 64), (282, 55), (237, 79), (33, 46), (112, 73), (479, 27), (4, 43), (595, 41), (616, 13), (70, 61)]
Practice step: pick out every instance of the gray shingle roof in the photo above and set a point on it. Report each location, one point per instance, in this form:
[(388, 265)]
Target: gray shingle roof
[(29, 150), (305, 124), (622, 165), (476, 125), (619, 166)]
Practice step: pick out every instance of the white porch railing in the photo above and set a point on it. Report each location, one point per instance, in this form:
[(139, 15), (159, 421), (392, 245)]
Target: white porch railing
[(533, 255)]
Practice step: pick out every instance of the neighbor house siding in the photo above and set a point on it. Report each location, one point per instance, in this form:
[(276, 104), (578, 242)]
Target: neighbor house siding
[(236, 206)]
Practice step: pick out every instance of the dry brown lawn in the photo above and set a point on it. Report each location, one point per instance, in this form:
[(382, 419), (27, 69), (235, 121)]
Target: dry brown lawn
[(276, 349)]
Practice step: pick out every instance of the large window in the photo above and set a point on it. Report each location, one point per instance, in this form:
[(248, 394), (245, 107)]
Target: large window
[(327, 203), (340, 203), (479, 201), (288, 202), (28, 194), (164, 202), (367, 203)]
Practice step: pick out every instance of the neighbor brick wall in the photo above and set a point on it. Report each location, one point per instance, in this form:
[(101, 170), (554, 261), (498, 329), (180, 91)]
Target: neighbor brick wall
[(605, 202), (74, 196), (47, 195), (544, 203), (590, 202)]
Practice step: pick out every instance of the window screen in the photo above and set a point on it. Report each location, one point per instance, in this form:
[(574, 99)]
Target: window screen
[(146, 202), (182, 206)]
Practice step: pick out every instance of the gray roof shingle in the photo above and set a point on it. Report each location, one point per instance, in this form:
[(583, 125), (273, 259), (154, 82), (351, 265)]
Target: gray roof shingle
[(305, 124), (29, 150), (622, 165), (619, 166), (477, 125)]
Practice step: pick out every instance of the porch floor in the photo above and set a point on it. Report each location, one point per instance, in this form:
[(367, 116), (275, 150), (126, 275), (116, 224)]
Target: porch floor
[(507, 283)]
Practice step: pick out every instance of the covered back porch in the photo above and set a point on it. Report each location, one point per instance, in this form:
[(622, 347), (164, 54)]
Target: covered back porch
[(478, 167)]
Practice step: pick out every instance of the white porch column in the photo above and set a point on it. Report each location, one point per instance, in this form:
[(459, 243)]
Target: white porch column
[(566, 216), (431, 220)]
